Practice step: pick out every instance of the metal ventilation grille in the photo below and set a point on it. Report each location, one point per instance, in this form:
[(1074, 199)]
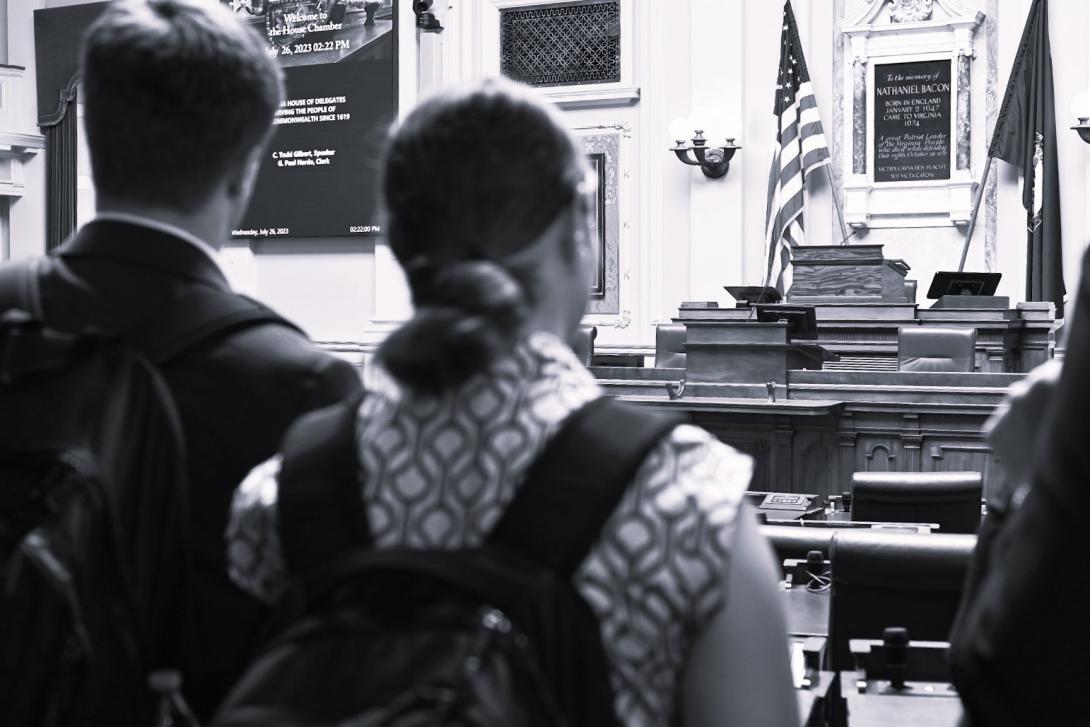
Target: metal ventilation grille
[(562, 45), (849, 362)]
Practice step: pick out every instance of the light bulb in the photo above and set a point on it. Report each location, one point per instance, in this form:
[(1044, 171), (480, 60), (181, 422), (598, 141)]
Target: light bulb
[(1080, 106), (681, 130), (699, 119), (715, 127)]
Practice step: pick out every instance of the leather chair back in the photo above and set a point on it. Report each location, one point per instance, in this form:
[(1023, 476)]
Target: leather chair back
[(894, 579), (950, 499), (911, 287), (931, 348), (795, 542), (670, 346), (582, 343)]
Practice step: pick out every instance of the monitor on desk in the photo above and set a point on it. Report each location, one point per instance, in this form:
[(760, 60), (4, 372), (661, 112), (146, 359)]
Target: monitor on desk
[(951, 283), (800, 319)]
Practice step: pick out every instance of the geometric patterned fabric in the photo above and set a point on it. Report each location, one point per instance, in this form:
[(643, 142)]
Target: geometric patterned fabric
[(565, 45), (438, 473)]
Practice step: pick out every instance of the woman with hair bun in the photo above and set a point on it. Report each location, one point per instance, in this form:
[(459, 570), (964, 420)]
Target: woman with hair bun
[(488, 201)]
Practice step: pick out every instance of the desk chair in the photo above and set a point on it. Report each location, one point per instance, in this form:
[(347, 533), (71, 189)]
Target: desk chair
[(582, 343), (670, 346), (794, 543), (949, 499), (885, 579), (931, 348)]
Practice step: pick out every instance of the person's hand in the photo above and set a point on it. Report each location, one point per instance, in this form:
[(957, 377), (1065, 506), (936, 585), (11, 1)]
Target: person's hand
[(1013, 427)]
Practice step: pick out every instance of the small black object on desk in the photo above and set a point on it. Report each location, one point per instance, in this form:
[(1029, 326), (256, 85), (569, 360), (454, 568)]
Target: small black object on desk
[(800, 319), (966, 290), (747, 295)]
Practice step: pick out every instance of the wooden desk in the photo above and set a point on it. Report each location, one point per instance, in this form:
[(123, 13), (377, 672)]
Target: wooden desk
[(826, 425), (807, 611), (864, 334)]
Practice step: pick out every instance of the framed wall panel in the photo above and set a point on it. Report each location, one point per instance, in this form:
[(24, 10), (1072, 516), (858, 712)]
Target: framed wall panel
[(603, 153)]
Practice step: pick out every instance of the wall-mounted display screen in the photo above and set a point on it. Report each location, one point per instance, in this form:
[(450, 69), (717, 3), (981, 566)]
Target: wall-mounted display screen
[(318, 177)]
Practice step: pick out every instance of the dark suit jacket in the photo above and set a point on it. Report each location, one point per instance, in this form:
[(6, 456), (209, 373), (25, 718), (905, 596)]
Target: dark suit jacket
[(236, 395), (1021, 640)]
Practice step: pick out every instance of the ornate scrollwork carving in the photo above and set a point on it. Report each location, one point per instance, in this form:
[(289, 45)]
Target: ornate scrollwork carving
[(910, 11)]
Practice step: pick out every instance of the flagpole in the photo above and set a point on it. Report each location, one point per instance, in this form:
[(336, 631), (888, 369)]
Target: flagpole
[(837, 205), (976, 210)]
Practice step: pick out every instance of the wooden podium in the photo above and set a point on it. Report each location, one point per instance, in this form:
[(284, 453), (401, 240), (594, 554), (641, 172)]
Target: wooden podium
[(846, 274), (737, 358)]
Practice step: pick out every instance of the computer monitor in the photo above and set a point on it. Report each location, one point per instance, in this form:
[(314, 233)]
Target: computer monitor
[(951, 283), (748, 295), (800, 319)]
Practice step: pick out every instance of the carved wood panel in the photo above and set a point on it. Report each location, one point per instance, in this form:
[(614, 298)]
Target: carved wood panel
[(876, 454), (951, 455), (814, 463)]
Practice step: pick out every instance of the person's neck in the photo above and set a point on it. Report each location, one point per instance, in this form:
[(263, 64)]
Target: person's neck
[(201, 223)]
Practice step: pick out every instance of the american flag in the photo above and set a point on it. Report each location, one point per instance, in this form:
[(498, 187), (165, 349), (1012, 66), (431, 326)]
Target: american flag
[(799, 149)]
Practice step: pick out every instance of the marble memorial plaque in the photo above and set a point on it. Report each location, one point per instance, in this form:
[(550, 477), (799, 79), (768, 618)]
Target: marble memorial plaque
[(912, 121)]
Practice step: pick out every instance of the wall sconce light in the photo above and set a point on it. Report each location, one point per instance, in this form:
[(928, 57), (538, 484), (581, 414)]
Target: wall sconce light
[(1080, 108), (425, 19), (714, 161)]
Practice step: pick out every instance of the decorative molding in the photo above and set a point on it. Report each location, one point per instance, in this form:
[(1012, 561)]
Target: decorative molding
[(911, 11), (17, 143), (620, 321), (868, 14), (938, 451), (624, 129), (885, 447), (589, 97), (607, 146), (66, 96), (944, 29)]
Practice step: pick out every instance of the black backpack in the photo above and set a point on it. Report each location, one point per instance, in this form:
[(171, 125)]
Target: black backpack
[(92, 504), (482, 637)]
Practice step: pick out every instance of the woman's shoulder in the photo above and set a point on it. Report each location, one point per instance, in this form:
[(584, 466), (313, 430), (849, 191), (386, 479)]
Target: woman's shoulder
[(691, 470), (678, 518)]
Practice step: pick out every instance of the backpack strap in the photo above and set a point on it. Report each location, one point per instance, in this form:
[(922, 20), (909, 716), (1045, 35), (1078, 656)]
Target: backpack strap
[(19, 287), (571, 490), (197, 316), (578, 481), (321, 513)]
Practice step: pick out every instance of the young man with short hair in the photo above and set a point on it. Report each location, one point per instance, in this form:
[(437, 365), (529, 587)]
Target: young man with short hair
[(179, 101)]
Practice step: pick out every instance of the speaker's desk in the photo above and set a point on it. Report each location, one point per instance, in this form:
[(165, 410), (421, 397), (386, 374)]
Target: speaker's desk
[(864, 334), (825, 425)]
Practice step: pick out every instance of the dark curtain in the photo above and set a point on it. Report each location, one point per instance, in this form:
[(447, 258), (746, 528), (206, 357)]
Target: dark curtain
[(57, 34), (60, 155)]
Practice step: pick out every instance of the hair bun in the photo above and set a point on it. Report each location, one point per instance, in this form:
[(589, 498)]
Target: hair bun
[(479, 286), (465, 318)]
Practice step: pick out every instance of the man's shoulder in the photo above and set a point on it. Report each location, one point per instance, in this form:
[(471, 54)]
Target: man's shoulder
[(276, 354)]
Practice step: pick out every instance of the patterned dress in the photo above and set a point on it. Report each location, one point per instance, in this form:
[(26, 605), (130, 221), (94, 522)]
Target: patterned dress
[(437, 473)]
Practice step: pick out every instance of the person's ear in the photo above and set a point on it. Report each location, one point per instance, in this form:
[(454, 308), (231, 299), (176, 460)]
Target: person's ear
[(240, 181)]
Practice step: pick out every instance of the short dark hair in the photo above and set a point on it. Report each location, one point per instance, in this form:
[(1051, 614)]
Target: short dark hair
[(175, 92)]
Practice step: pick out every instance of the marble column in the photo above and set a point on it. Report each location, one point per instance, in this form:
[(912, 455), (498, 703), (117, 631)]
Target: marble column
[(991, 91), (965, 109), (859, 116)]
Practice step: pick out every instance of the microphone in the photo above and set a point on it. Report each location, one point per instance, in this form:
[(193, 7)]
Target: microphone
[(895, 639)]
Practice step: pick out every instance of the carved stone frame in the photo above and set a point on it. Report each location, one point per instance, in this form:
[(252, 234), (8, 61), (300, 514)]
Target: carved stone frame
[(872, 38), (605, 309)]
